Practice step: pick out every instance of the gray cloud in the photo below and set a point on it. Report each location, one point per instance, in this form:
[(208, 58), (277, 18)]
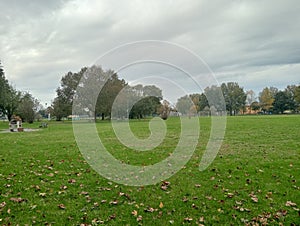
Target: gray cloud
[(256, 43)]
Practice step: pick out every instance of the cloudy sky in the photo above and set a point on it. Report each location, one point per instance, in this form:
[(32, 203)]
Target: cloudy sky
[(255, 43)]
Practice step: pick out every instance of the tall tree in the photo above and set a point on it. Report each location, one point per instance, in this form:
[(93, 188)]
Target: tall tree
[(62, 104), (184, 105), (12, 99), (203, 102), (214, 99), (266, 99), (96, 91), (281, 102), (109, 93), (235, 97), (255, 106), (196, 98), (28, 107), (290, 91), (145, 101)]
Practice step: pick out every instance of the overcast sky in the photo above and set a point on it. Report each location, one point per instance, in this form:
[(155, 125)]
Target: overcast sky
[(255, 43)]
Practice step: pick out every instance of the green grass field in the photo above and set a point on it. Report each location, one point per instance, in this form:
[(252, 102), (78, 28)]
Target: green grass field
[(255, 178)]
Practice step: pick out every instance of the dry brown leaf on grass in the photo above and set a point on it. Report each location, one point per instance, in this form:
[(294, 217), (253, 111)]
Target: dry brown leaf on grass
[(290, 203), (17, 200), (188, 219), (139, 218), (165, 185), (63, 187), (134, 213), (161, 205), (62, 206), (3, 204), (72, 181), (230, 195), (113, 216), (254, 199), (114, 202), (150, 210)]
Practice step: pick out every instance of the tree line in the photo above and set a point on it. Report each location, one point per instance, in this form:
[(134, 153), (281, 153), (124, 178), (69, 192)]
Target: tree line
[(139, 101), (269, 101), (143, 101)]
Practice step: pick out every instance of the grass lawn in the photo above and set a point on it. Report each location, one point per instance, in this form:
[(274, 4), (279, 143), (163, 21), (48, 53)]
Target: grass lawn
[(255, 178)]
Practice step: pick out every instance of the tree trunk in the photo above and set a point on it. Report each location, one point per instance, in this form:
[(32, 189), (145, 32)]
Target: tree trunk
[(9, 115)]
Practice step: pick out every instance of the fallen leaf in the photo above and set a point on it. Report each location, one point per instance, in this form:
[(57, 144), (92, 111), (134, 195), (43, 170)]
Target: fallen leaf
[(62, 206), (188, 219), (63, 187), (72, 181), (167, 183), (37, 188), (139, 218), (161, 205), (290, 203), (230, 195), (281, 213), (115, 202), (134, 213), (150, 209), (254, 199), (220, 210), (209, 197), (164, 185), (111, 217), (238, 202), (3, 204), (18, 200), (84, 193)]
